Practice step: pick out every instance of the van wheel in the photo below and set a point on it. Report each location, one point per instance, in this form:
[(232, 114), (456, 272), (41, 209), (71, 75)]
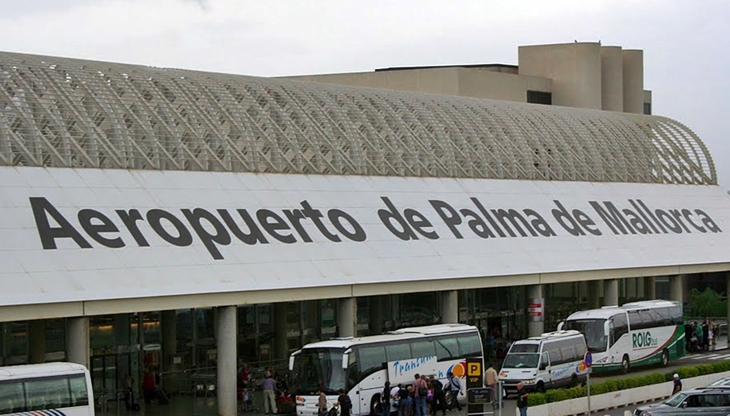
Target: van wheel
[(373, 405), (625, 364), (541, 387), (665, 358), (574, 381)]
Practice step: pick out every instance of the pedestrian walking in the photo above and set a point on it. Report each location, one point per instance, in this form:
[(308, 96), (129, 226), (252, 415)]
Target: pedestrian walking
[(420, 391), (490, 379), (269, 388), (677, 384), (522, 399), (453, 388), (385, 399)]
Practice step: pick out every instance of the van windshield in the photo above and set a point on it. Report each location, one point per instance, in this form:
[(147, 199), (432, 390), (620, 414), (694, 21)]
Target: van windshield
[(520, 361)]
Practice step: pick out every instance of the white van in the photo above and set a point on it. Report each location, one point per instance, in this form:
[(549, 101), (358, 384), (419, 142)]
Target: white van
[(551, 360)]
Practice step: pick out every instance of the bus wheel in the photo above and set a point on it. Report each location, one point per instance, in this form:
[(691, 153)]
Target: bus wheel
[(665, 358), (625, 364), (541, 387), (374, 404), (574, 381)]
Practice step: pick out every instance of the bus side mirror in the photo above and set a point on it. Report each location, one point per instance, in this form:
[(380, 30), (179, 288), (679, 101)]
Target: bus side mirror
[(345, 361), (291, 363)]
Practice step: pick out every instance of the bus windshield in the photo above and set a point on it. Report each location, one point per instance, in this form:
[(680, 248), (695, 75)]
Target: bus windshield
[(593, 330), (319, 367), (520, 361)]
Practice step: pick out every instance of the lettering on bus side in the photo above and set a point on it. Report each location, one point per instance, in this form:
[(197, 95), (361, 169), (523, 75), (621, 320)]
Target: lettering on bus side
[(643, 340), (401, 367)]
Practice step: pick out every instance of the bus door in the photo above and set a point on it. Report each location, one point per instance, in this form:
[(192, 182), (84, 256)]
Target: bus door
[(349, 364), (610, 329)]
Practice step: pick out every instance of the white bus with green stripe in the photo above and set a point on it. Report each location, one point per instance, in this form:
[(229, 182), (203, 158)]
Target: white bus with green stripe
[(631, 335)]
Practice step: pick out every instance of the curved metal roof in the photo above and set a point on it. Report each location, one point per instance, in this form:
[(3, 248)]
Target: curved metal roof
[(75, 113)]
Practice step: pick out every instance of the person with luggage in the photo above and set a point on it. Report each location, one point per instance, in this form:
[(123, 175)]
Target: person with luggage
[(344, 402), (453, 388), (438, 396)]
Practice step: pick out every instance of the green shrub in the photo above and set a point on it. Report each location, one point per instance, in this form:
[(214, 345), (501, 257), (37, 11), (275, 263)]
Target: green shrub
[(599, 388), (575, 392), (556, 395), (705, 369), (611, 385), (535, 399)]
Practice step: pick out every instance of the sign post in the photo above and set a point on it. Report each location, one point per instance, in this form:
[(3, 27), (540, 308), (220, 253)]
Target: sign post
[(588, 361), (474, 380)]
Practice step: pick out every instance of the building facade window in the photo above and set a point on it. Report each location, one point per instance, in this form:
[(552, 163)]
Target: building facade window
[(539, 97)]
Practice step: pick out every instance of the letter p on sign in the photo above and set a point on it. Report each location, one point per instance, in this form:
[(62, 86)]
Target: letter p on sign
[(474, 369)]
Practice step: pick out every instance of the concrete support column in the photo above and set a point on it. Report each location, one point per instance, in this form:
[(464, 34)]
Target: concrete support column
[(227, 360), (77, 341), (631, 284), (676, 292), (610, 292), (450, 307), (594, 294), (346, 317), (169, 339), (650, 287), (536, 307), (612, 79), (633, 81), (37, 341), (375, 324), (281, 347)]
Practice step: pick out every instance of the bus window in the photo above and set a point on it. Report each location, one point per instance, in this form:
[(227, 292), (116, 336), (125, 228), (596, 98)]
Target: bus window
[(470, 345), (398, 351), (47, 393), (635, 321), (446, 348), (620, 326), (12, 398), (372, 359), (422, 348), (79, 394), (352, 372), (675, 312)]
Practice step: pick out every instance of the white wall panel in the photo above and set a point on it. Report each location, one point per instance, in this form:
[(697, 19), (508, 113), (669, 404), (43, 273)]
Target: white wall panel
[(32, 274)]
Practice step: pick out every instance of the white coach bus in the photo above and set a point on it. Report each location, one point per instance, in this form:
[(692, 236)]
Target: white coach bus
[(631, 335), (46, 389), (360, 366)]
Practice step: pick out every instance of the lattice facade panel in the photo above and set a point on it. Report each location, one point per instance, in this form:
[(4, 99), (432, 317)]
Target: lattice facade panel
[(72, 113)]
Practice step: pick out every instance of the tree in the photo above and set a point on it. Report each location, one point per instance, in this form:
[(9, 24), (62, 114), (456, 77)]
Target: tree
[(707, 303)]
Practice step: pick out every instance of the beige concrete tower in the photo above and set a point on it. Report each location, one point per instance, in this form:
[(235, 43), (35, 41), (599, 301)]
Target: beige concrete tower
[(575, 69), (612, 79), (633, 68)]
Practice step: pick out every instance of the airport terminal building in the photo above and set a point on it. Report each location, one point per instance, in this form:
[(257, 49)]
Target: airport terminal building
[(196, 221)]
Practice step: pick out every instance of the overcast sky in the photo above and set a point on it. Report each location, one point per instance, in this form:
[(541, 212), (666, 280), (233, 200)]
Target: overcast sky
[(686, 43)]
